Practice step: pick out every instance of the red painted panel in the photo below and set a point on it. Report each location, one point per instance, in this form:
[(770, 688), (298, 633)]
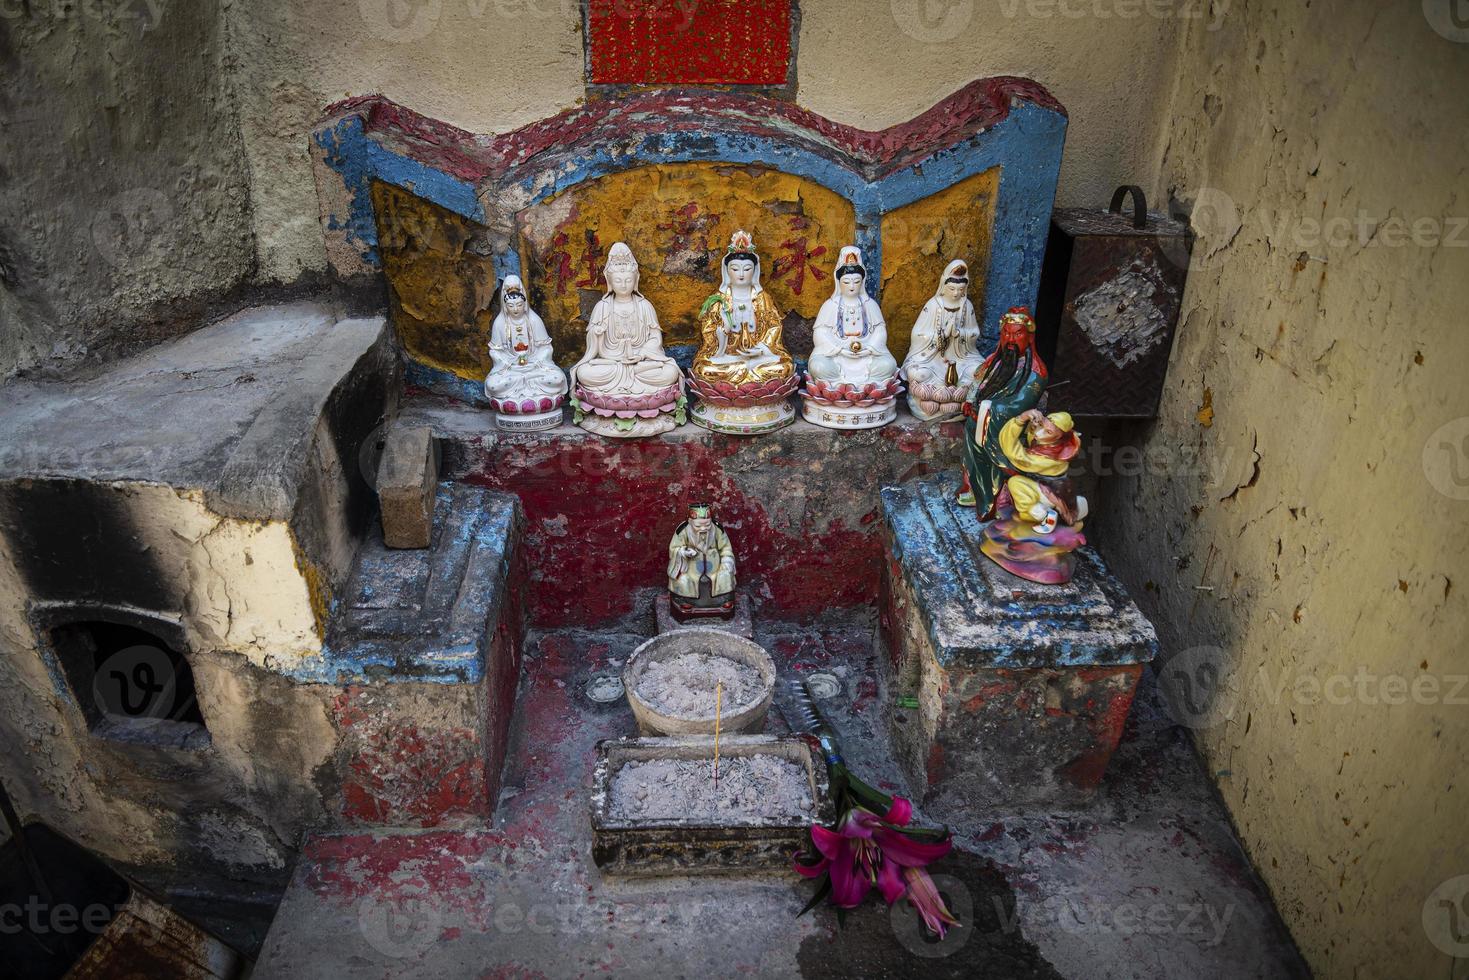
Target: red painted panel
[(670, 42)]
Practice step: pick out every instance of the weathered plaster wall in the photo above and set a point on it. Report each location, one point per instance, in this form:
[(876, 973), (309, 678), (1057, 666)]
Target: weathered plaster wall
[(1302, 522), (123, 198), (492, 65)]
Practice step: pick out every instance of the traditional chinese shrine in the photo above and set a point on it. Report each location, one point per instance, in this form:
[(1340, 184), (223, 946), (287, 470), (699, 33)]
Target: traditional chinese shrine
[(794, 489)]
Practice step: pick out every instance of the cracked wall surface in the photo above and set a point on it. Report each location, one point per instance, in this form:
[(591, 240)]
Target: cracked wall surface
[(489, 67), (1303, 539), (124, 207)]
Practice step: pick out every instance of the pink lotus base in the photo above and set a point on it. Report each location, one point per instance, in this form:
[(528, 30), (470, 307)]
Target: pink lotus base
[(844, 395), (527, 406), (648, 406), (934, 403), (849, 406), (745, 395)]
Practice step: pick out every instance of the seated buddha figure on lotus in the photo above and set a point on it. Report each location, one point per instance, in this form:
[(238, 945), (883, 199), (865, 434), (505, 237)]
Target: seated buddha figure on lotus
[(742, 373), (851, 381), (940, 367), (525, 388), (625, 385)]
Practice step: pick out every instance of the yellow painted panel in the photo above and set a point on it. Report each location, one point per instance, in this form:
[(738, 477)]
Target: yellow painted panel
[(919, 239), (440, 281), (677, 218)]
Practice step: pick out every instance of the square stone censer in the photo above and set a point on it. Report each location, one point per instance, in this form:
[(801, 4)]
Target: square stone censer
[(742, 842)]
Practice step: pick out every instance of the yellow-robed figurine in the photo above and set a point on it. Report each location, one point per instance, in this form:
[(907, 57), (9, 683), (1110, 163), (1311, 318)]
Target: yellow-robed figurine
[(1039, 514), (742, 373)]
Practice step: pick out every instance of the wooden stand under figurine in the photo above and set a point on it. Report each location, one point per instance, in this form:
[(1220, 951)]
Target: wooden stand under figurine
[(741, 622)]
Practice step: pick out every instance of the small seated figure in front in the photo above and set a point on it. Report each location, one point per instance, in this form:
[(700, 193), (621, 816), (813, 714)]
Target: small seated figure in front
[(625, 385), (1038, 513), (851, 380), (742, 373), (701, 568), (524, 387), (940, 367)]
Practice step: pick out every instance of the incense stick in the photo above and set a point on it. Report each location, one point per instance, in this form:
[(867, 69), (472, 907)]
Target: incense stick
[(718, 704)]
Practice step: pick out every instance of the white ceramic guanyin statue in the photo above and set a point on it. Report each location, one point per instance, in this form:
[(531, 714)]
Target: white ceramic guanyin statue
[(625, 386), (524, 387), (851, 380), (940, 366)]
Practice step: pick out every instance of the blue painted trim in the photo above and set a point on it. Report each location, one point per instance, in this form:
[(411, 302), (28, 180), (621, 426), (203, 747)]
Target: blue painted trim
[(360, 159), (1026, 147), (445, 383)]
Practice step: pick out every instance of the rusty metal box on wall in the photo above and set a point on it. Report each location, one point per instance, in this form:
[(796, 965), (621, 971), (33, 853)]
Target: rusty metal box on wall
[(1111, 287)]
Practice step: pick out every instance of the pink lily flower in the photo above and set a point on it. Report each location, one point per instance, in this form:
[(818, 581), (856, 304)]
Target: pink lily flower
[(867, 850), (924, 897)]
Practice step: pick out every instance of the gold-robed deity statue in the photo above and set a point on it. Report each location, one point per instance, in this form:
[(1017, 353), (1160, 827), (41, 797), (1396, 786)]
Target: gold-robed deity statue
[(742, 372)]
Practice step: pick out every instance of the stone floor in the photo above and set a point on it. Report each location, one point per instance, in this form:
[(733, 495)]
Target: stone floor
[(1146, 881)]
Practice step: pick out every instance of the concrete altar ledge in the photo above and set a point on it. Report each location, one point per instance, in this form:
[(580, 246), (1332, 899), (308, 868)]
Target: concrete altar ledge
[(800, 505), (425, 614), (231, 409), (977, 615)]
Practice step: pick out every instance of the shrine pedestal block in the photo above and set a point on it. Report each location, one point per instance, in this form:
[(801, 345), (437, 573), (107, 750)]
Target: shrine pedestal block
[(1021, 689), (423, 655), (742, 623)]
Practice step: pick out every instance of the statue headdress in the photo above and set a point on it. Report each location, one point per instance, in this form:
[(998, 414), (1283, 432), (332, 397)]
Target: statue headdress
[(741, 246), (619, 256), (849, 260)]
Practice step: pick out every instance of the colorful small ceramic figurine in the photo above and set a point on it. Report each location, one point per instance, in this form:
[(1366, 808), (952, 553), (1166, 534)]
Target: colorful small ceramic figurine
[(742, 373), (625, 385), (701, 568), (941, 364), (1015, 462), (524, 387), (1038, 513), (1011, 381), (851, 381)]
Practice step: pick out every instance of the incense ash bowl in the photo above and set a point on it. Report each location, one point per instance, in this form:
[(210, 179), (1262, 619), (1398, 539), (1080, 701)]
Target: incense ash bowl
[(662, 709)]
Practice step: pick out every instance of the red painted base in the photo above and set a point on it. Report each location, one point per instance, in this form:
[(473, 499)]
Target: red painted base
[(800, 505)]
